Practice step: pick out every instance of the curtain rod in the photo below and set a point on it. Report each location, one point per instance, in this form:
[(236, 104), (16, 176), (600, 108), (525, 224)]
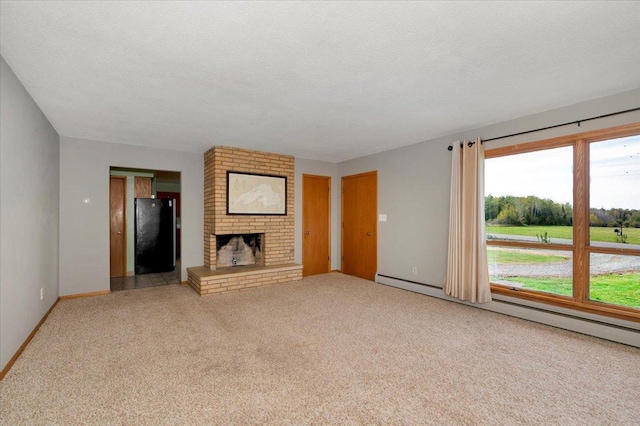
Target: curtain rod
[(552, 127)]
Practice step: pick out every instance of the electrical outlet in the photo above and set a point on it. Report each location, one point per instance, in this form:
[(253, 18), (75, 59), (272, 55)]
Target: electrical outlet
[(41, 293), (414, 270)]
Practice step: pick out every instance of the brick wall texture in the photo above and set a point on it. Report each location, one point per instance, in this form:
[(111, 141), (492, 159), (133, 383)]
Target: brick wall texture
[(213, 284), (278, 230)]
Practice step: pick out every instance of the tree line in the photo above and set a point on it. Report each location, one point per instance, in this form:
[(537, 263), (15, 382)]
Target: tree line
[(531, 210)]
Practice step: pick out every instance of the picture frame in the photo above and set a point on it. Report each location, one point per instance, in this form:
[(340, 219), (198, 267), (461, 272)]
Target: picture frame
[(256, 194)]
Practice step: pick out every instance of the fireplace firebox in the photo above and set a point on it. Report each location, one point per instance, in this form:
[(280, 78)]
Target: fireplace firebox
[(239, 250)]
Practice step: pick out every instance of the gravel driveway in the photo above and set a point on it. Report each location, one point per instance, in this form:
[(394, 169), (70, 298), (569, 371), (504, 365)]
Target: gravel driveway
[(600, 264)]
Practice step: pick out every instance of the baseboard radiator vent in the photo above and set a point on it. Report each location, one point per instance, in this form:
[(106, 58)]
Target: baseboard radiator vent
[(620, 331)]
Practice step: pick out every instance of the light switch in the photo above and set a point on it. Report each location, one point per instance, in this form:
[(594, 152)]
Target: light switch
[(382, 217)]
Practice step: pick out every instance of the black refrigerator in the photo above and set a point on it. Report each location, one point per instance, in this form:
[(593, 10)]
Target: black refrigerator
[(155, 231)]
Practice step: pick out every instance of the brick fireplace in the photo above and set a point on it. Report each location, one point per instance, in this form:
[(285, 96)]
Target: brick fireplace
[(242, 251)]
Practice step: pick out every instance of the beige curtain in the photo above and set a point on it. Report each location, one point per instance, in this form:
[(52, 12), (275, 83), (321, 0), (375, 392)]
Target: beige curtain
[(467, 269)]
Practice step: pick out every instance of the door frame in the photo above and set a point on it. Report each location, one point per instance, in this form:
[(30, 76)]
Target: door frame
[(124, 223), (373, 173), (328, 179)]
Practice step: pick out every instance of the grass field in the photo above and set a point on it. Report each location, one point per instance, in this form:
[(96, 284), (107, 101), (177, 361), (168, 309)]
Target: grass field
[(566, 232), (618, 289)]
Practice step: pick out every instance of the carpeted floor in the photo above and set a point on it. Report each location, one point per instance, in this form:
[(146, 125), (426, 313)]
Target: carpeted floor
[(330, 349)]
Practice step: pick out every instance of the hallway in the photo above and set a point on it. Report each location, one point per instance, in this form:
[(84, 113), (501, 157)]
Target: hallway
[(147, 280)]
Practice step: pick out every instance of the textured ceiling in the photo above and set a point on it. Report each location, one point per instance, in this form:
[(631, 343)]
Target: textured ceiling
[(324, 80)]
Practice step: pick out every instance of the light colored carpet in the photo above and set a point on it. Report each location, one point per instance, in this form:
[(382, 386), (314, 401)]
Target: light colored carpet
[(330, 349)]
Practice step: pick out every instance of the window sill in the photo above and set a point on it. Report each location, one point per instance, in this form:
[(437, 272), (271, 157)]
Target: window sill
[(589, 307)]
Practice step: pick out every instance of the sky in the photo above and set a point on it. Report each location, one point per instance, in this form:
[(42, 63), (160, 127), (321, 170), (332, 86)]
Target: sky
[(614, 174)]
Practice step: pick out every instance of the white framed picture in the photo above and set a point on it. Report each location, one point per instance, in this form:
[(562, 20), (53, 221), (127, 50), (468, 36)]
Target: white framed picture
[(256, 194)]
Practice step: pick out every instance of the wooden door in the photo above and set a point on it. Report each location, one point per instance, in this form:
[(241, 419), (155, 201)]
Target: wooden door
[(175, 196), (117, 225), (142, 187), (359, 225), (316, 225)]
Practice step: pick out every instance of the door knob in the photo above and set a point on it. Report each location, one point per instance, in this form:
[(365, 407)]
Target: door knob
[(369, 234), (119, 232), (306, 233)]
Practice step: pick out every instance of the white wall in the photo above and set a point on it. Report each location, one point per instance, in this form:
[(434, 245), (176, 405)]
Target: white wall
[(320, 168), (29, 182), (84, 228)]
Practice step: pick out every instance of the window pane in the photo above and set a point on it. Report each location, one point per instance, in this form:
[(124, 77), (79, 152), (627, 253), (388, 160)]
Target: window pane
[(615, 279), (614, 213), (548, 271), (529, 197)]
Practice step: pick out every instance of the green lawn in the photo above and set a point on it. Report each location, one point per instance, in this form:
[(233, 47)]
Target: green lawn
[(566, 232), (618, 289), (496, 255)]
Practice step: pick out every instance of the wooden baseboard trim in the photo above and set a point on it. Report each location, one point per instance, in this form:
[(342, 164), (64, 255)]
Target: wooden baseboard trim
[(184, 282), (79, 295), (13, 359), (336, 270)]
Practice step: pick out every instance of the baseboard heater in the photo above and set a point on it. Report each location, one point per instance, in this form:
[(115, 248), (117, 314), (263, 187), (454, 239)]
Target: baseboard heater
[(620, 331)]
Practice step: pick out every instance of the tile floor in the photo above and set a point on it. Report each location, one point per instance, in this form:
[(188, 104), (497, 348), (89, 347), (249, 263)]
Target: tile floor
[(147, 280)]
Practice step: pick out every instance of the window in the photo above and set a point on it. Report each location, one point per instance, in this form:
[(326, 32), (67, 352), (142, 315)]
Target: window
[(563, 221)]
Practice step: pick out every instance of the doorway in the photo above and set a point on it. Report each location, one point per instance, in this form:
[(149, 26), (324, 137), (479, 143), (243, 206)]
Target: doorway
[(316, 225), (359, 225), (142, 186), (117, 226)]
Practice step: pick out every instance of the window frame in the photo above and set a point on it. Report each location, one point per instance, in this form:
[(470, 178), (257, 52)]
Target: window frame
[(580, 247)]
